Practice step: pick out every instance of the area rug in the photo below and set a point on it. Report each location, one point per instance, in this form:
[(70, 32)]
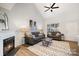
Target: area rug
[(57, 48)]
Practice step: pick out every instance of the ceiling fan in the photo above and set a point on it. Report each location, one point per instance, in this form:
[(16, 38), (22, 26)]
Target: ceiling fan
[(51, 7)]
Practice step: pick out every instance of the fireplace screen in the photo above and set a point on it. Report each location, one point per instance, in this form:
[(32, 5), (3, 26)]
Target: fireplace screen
[(8, 45)]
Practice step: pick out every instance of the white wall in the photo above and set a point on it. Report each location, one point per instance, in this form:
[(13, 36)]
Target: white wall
[(67, 15), (67, 18), (7, 6), (20, 15)]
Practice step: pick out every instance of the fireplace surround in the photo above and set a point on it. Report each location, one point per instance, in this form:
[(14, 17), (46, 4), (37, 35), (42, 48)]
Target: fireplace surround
[(8, 45)]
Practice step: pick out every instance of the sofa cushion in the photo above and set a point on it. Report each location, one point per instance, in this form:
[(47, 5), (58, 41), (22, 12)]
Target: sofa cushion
[(57, 34), (49, 34), (28, 34), (35, 33), (40, 34), (33, 36)]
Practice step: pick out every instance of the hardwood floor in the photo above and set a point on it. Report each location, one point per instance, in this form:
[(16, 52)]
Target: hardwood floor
[(74, 48), (23, 51)]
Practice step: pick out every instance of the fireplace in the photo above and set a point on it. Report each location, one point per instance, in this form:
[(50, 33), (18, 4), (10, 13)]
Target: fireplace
[(8, 45)]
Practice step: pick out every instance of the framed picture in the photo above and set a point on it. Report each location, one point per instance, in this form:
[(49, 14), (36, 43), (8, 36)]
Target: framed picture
[(30, 23), (33, 26), (3, 21), (34, 23), (52, 27)]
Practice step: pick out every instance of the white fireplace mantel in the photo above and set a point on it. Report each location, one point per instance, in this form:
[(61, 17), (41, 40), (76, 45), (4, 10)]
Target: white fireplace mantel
[(4, 35)]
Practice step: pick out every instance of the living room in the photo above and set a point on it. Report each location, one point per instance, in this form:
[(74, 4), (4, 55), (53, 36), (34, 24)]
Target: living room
[(21, 17)]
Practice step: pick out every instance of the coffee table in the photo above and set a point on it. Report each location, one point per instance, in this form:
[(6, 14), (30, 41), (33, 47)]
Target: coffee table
[(47, 42)]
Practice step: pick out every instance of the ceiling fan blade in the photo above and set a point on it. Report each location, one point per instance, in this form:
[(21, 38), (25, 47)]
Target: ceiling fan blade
[(53, 5), (47, 10), (46, 7)]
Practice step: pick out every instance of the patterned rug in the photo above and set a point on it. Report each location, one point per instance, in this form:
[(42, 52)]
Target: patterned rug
[(57, 48)]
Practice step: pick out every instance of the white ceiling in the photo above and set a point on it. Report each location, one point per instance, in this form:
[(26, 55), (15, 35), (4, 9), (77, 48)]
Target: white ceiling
[(8, 6), (63, 8), (40, 7)]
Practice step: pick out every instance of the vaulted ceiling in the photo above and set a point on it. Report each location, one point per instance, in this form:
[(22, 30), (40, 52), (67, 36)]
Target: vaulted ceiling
[(63, 8), (7, 6)]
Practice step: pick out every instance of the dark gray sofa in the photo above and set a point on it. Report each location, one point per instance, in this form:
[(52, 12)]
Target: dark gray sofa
[(36, 37)]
